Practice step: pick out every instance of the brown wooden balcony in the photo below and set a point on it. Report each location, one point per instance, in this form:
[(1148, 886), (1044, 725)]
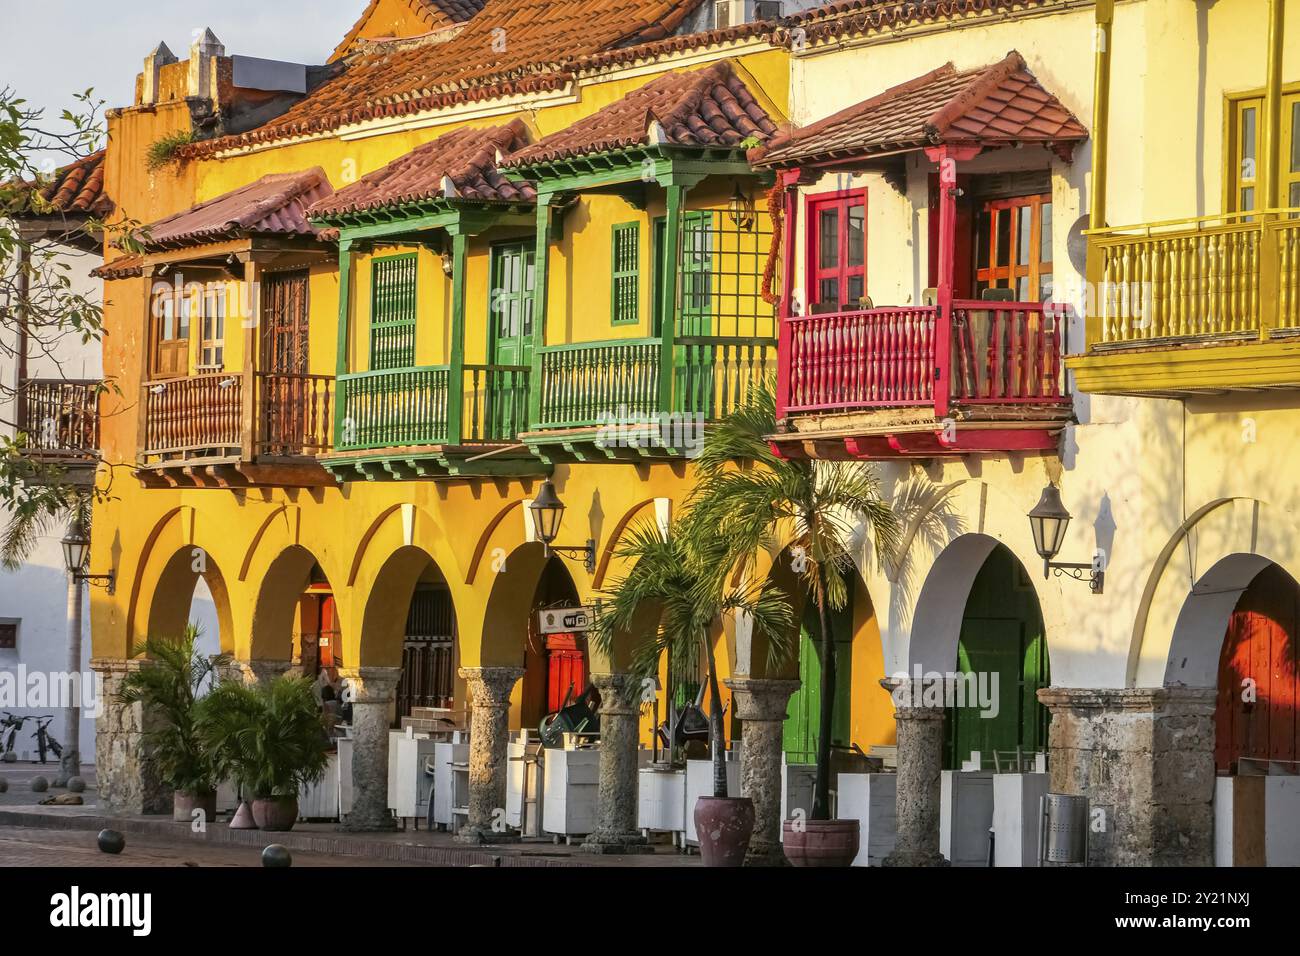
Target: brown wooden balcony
[(1194, 306), (893, 383), (58, 423), (225, 430)]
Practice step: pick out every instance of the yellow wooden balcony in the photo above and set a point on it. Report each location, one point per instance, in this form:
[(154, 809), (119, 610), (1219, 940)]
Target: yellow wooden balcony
[(1193, 306)]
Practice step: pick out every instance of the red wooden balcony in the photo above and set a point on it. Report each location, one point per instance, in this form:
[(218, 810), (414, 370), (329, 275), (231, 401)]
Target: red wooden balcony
[(215, 430), (58, 423), (891, 382)]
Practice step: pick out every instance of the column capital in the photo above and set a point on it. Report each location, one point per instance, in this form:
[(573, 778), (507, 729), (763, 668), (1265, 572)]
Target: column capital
[(491, 686), (1180, 699), (371, 685), (760, 698), (615, 698)]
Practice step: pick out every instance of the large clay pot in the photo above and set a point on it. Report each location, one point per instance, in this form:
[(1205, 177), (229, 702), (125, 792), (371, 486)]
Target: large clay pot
[(276, 814), (822, 842), (184, 804), (724, 826)]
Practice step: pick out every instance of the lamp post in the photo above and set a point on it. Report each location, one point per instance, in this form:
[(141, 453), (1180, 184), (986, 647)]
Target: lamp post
[(1048, 523), (548, 514), (76, 549)]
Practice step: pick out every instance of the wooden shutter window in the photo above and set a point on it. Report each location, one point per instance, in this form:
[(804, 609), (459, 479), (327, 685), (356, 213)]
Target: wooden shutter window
[(625, 307), (392, 312)]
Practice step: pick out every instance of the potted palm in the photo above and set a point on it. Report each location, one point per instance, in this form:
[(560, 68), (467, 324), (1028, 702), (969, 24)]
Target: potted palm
[(270, 738), (684, 577), (170, 688), (813, 511)]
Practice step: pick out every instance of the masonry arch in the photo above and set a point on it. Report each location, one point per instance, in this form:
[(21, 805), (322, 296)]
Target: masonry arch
[(190, 588), (297, 614)]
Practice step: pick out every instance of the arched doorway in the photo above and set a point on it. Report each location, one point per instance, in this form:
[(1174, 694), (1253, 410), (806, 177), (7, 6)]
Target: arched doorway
[(802, 727), (296, 618), (1259, 678), (556, 661), (192, 591), (1002, 659)]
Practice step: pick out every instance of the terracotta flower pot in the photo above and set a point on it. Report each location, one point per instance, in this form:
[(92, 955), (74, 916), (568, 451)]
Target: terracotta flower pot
[(184, 804), (724, 826), (822, 842), (276, 814)]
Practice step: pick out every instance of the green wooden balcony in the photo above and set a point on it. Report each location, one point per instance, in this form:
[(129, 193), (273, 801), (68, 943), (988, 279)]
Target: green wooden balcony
[(636, 398), (411, 423)]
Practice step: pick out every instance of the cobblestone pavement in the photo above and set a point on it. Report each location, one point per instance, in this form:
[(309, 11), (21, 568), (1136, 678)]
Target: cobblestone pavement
[(76, 848)]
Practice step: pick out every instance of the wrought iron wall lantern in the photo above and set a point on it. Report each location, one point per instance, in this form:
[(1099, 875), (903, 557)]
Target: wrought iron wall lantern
[(548, 514), (76, 549), (1048, 522)]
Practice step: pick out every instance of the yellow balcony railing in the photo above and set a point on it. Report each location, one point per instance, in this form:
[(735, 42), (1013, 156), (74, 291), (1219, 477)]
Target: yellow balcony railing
[(1235, 276)]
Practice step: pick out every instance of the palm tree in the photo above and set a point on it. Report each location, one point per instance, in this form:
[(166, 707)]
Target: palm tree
[(684, 576), (811, 510), (170, 688), (42, 516)]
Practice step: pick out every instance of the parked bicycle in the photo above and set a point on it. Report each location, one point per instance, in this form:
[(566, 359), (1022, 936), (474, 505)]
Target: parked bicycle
[(45, 741), (10, 724)]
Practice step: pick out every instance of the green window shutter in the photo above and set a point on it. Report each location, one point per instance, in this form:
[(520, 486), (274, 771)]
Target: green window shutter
[(625, 308), (392, 312)]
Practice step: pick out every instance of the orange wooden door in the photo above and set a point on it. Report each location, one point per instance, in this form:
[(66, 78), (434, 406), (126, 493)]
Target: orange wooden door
[(1258, 684)]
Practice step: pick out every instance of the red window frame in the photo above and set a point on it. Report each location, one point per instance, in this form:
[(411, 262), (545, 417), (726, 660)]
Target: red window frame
[(843, 200)]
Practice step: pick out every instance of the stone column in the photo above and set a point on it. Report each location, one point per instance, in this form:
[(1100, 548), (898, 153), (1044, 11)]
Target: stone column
[(920, 769), (1144, 757), (263, 671), (126, 776), (370, 689), (616, 829), (489, 736), (229, 670), (761, 706)]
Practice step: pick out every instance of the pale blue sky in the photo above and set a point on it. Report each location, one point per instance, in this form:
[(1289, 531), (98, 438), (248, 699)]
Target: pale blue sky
[(50, 49)]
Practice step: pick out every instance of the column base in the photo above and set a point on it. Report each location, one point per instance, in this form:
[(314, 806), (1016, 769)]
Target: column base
[(386, 825), (482, 836), (69, 767), (770, 857), (915, 859), (616, 844)]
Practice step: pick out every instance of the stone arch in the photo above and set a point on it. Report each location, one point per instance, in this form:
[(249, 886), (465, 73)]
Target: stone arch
[(169, 609), (941, 604), (1203, 623), (510, 602), (384, 614), (276, 604)]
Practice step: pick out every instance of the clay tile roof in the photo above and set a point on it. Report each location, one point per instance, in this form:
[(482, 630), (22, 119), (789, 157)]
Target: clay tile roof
[(994, 106), (708, 107), (847, 18), (434, 14), (123, 267), (467, 157), (76, 189), (274, 205), (511, 47)]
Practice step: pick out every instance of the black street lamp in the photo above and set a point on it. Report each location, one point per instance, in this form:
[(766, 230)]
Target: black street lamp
[(1048, 522), (76, 549), (548, 514)]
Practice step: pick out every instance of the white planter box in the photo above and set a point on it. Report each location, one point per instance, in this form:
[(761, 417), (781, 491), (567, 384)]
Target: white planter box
[(321, 802), (1016, 808), (409, 787), (569, 792), (699, 783), (798, 781), (965, 817), (450, 784), (872, 800), (1245, 836), (661, 800)]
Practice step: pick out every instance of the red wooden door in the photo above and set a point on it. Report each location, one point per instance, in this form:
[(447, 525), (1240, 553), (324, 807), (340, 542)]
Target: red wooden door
[(1258, 685), (566, 667)]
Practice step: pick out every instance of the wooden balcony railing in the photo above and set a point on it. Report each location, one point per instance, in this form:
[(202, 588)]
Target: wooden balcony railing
[(410, 407), (202, 417), (596, 383), (1229, 277), (59, 418), (1002, 353)]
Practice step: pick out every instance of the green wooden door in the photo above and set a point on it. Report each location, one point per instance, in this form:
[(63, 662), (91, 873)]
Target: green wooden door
[(1002, 633), (698, 249), (513, 273), (803, 716)]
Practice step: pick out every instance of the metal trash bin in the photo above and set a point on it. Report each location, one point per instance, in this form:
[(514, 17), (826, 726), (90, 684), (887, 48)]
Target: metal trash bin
[(1063, 830)]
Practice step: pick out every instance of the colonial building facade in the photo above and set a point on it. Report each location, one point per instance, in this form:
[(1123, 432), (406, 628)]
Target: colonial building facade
[(989, 247)]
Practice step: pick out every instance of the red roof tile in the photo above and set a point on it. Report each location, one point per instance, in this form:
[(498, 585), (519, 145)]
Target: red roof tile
[(467, 157), (123, 267), (856, 17), (275, 205), (77, 188), (995, 105), (708, 107), (511, 47)]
